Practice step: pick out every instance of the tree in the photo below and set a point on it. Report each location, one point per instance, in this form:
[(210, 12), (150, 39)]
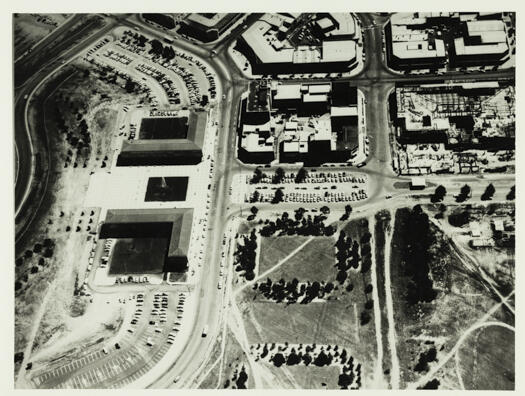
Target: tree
[(278, 360), (325, 210), (257, 176), (255, 196), (19, 357), (278, 176), (512, 194), (130, 86), (464, 193), (348, 210), (459, 219), (293, 359), (28, 253), (301, 175), (157, 47), (365, 318), (278, 197), (307, 359), (254, 210), (439, 194), (489, 193)]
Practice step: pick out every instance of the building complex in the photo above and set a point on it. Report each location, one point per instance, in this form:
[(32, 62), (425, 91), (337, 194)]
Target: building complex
[(303, 122), (435, 40), (302, 43)]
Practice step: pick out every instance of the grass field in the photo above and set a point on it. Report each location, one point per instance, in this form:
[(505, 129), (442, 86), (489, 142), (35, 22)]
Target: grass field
[(305, 377), (487, 359), (164, 128), (138, 256), (174, 190), (333, 322), (461, 300), (315, 262)]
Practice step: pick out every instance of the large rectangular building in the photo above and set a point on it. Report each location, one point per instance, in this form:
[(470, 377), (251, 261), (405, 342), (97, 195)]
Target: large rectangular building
[(153, 224), (163, 150)]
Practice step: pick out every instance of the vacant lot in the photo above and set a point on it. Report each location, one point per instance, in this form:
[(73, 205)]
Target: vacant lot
[(487, 359), (315, 262), (303, 377), (335, 322), (138, 256), (461, 299), (166, 189), (164, 128)]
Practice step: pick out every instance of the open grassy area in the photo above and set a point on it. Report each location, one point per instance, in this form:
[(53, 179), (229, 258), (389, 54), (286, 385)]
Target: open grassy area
[(460, 301), (138, 256), (335, 322), (487, 359), (315, 262), (304, 377)]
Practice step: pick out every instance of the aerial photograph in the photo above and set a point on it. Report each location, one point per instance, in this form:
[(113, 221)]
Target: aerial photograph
[(280, 200)]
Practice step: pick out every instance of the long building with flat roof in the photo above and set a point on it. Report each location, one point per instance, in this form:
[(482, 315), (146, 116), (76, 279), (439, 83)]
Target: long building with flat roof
[(207, 27)]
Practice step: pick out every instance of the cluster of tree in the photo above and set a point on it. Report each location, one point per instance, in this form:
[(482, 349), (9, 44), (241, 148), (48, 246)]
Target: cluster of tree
[(459, 219), (415, 256), (254, 211), (278, 176), (255, 197), (138, 39), (239, 378), (301, 176), (257, 176), (439, 194), (434, 384), (424, 359), (45, 249), (278, 196), (350, 372), (348, 212), (291, 291), (347, 256), (157, 48), (464, 193), (349, 375), (488, 193), (441, 213), (245, 256), (300, 226), (19, 357)]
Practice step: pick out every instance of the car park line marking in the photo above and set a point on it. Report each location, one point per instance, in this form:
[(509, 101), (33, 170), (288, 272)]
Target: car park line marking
[(92, 377), (77, 383)]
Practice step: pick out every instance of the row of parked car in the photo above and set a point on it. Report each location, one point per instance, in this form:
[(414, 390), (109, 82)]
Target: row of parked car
[(167, 84), (118, 57)]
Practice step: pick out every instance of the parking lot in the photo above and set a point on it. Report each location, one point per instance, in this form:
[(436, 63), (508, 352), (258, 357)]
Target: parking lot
[(143, 340)]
